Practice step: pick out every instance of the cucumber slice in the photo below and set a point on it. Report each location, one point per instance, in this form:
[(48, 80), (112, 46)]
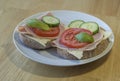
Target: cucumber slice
[(75, 23), (92, 26), (51, 21), (35, 23)]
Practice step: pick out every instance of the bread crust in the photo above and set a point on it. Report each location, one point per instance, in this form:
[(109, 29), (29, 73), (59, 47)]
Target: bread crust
[(86, 54)]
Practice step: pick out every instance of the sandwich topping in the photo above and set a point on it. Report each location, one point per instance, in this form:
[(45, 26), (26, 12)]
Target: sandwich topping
[(52, 32), (77, 40), (48, 26), (71, 37)]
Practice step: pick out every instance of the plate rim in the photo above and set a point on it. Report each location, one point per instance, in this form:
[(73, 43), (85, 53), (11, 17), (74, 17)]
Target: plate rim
[(84, 61)]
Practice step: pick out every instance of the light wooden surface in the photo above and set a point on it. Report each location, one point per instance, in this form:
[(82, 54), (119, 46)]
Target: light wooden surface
[(15, 67)]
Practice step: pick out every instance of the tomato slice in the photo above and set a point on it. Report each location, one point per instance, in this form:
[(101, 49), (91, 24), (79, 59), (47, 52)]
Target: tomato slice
[(54, 31), (68, 38)]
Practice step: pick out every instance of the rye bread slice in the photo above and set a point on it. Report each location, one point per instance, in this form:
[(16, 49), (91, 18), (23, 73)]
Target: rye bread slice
[(86, 54), (32, 43)]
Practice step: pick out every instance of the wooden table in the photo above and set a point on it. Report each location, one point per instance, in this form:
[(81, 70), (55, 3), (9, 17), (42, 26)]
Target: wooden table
[(16, 67)]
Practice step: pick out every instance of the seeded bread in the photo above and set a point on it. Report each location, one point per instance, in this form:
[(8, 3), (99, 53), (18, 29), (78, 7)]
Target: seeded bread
[(32, 43), (86, 54)]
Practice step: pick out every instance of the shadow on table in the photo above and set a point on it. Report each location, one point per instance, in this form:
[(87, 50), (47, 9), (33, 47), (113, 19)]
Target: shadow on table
[(53, 71)]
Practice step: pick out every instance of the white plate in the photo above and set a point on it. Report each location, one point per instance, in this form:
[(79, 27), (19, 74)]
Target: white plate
[(48, 56)]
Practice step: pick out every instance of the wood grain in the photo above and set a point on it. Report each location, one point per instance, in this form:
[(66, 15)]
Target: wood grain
[(15, 67)]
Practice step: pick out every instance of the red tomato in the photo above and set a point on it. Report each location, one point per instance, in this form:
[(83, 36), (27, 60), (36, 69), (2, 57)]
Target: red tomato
[(68, 38), (49, 33)]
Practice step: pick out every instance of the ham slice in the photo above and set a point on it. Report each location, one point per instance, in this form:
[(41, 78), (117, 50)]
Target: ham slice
[(46, 14)]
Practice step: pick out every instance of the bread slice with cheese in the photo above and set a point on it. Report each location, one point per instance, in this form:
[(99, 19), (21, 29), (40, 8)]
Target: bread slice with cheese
[(84, 53), (35, 43), (77, 54)]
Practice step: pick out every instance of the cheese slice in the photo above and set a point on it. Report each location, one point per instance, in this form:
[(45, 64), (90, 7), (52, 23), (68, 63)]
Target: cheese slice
[(107, 34), (77, 53), (42, 41)]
